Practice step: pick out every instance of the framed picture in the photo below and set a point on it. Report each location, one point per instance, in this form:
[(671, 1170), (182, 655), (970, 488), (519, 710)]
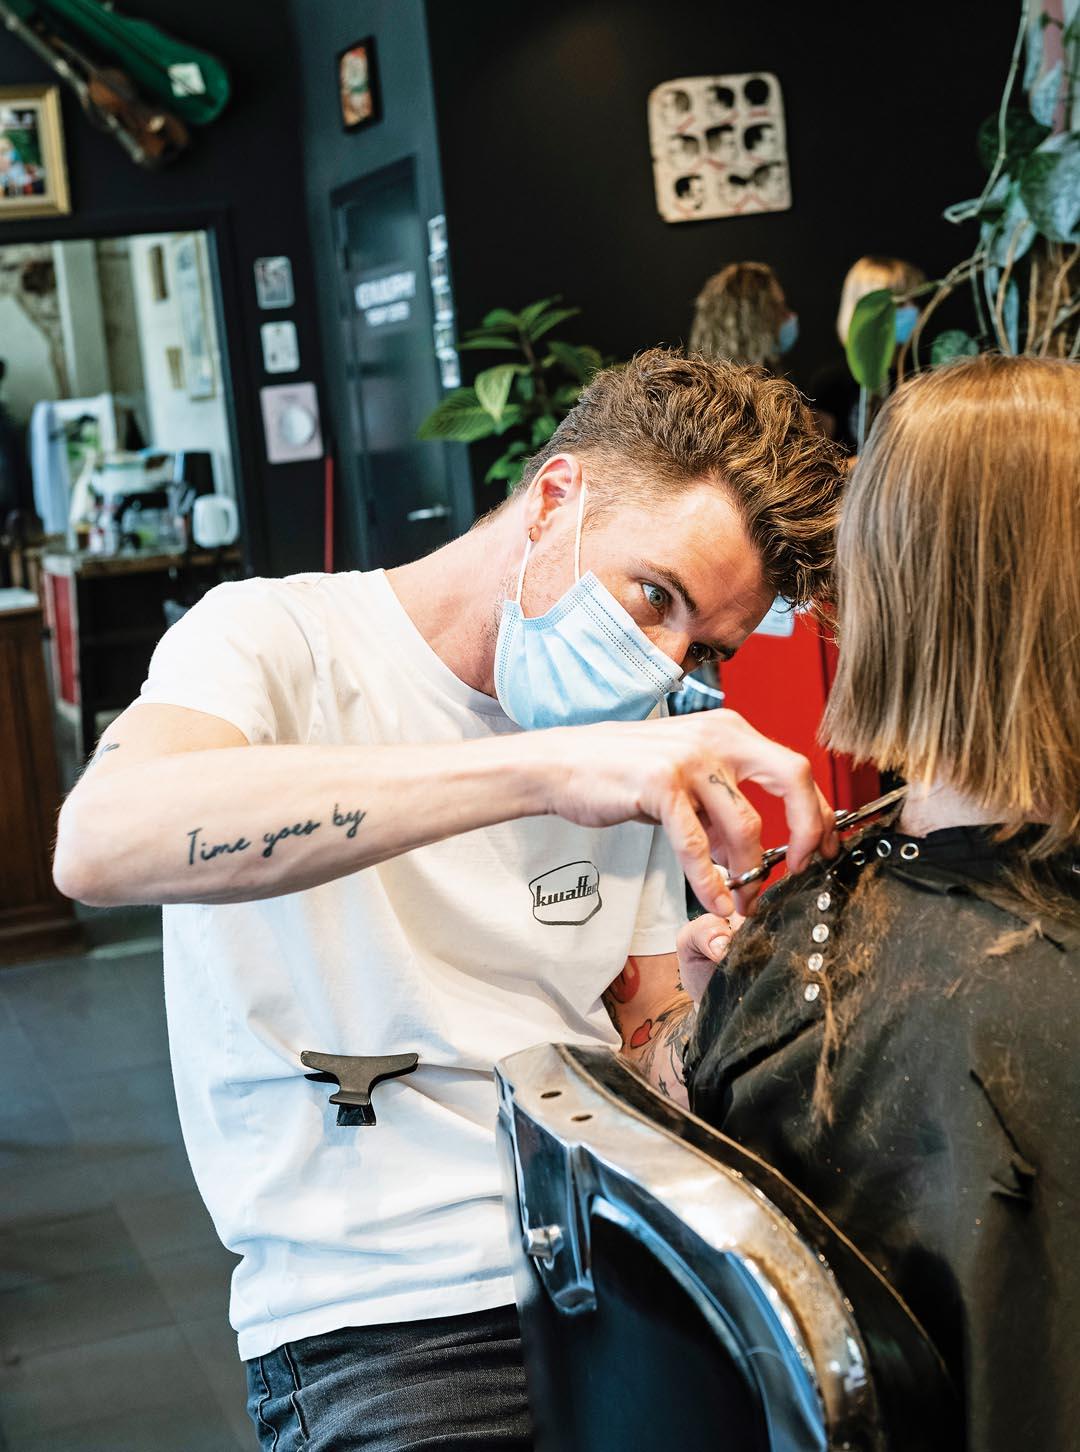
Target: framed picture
[(273, 282), (198, 362), (33, 177), (358, 85)]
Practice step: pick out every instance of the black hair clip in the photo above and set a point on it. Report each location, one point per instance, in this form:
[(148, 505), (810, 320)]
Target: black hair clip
[(356, 1078)]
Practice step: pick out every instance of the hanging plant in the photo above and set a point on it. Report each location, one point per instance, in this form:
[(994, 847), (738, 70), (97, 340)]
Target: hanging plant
[(524, 399)]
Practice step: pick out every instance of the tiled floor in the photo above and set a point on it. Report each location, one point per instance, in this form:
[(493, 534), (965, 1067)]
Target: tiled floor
[(114, 1334)]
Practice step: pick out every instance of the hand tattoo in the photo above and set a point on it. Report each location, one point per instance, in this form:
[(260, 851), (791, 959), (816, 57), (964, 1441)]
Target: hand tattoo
[(720, 779)]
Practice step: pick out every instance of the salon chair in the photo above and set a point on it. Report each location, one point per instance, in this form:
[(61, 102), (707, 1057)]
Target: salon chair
[(674, 1290)]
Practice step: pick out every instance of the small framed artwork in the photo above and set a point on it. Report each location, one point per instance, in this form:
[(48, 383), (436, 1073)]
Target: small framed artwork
[(33, 176), (273, 282), (194, 334), (358, 85)]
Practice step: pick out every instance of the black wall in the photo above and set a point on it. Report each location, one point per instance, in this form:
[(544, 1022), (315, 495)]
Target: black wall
[(332, 159), (546, 162), (242, 177)]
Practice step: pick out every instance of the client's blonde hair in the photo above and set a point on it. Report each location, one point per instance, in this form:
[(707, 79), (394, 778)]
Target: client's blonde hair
[(871, 274), (958, 580)]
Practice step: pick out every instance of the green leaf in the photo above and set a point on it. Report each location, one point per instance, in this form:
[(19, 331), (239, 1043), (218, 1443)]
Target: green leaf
[(871, 340), (1012, 233), (566, 396), (480, 339), (547, 321), (459, 417), (512, 415), (543, 428), (529, 315), (493, 388), (1050, 187), (953, 344), (1022, 135), (1044, 96), (502, 318), (578, 362), (508, 465)]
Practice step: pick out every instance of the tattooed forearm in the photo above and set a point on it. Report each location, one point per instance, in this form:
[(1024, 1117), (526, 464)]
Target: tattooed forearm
[(351, 820), (206, 853), (657, 1048), (200, 850)]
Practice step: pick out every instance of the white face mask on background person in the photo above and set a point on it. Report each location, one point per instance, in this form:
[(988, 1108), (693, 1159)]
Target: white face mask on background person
[(584, 660)]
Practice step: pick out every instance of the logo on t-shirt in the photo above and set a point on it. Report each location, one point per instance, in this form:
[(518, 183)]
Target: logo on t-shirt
[(566, 896)]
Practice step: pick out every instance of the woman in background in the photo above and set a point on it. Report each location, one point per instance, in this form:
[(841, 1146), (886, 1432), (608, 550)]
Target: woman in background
[(834, 392), (741, 315), (898, 1031)]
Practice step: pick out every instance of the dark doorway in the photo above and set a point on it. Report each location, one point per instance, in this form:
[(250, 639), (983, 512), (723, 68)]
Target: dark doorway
[(392, 379)]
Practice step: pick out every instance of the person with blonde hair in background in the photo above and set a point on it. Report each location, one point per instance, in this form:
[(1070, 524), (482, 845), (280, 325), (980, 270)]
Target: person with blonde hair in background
[(834, 392), (742, 316), (898, 1031)]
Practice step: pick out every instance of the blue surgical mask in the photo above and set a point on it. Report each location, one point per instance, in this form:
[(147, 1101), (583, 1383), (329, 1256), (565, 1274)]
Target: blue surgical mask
[(584, 660), (789, 333), (907, 315)]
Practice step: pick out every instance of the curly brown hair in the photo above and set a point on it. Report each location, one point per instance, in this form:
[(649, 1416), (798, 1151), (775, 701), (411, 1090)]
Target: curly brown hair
[(665, 422), (738, 313)]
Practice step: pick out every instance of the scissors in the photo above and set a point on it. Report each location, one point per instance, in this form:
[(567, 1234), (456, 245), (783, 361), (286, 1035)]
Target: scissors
[(844, 820)]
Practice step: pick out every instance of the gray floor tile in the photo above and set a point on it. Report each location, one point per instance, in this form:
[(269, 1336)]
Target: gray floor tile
[(42, 1250), (46, 1182), (77, 1310), (122, 1107), (167, 1224), (82, 1016), (124, 1376), (202, 1428), (195, 1283), (213, 1342)]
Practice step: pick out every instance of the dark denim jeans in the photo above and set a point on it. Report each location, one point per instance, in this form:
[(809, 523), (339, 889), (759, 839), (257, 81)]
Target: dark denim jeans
[(454, 1383)]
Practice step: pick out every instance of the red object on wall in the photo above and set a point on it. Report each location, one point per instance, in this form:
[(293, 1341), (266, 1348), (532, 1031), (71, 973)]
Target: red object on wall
[(780, 684)]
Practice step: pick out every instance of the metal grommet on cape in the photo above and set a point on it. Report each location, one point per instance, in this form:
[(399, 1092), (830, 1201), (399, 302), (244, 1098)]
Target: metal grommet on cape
[(824, 902), (815, 962), (884, 848), (811, 991), (859, 857), (820, 932), (909, 851)]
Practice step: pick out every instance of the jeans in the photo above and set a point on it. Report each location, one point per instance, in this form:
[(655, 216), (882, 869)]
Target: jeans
[(448, 1384)]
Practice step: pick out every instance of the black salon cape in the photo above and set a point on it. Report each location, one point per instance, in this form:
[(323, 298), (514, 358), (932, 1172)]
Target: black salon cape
[(953, 1158)]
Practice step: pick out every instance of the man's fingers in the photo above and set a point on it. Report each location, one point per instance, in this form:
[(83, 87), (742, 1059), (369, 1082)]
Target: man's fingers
[(691, 844), (787, 775)]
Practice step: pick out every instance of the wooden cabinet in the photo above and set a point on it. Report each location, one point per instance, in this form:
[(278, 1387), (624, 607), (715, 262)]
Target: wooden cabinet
[(106, 613), (34, 919)]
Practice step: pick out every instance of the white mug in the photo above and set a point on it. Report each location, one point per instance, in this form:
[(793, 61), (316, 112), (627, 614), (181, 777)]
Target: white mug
[(214, 521)]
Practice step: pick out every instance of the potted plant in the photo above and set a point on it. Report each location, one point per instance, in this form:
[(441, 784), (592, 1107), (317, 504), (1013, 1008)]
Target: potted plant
[(520, 399), (1022, 274)]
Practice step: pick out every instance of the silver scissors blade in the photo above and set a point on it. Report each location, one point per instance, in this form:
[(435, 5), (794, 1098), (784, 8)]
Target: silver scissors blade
[(843, 821)]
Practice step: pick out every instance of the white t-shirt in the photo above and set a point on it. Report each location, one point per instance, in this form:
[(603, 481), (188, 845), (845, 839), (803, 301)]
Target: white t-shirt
[(463, 952)]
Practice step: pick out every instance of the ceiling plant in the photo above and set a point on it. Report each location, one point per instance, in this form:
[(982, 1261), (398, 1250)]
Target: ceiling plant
[(521, 398), (1022, 274)]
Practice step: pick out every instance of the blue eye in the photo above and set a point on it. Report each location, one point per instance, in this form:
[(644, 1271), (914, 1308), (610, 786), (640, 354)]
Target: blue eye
[(656, 597)]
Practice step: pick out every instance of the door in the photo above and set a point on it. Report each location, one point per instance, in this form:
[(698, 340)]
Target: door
[(392, 377)]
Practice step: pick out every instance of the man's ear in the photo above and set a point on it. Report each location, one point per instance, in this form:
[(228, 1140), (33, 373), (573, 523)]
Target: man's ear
[(558, 483)]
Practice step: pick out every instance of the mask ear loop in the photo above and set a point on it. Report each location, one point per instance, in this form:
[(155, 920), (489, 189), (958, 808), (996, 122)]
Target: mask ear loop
[(577, 537), (521, 572)]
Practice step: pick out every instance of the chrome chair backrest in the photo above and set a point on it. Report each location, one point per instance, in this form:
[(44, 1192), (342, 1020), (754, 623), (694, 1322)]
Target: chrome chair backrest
[(671, 1284)]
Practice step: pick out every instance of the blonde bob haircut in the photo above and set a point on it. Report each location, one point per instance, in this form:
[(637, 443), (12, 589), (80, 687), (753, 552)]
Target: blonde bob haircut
[(738, 313), (871, 274), (958, 591)]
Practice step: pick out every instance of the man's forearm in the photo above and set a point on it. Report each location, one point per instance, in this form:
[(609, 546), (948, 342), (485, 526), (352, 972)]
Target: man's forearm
[(235, 825)]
